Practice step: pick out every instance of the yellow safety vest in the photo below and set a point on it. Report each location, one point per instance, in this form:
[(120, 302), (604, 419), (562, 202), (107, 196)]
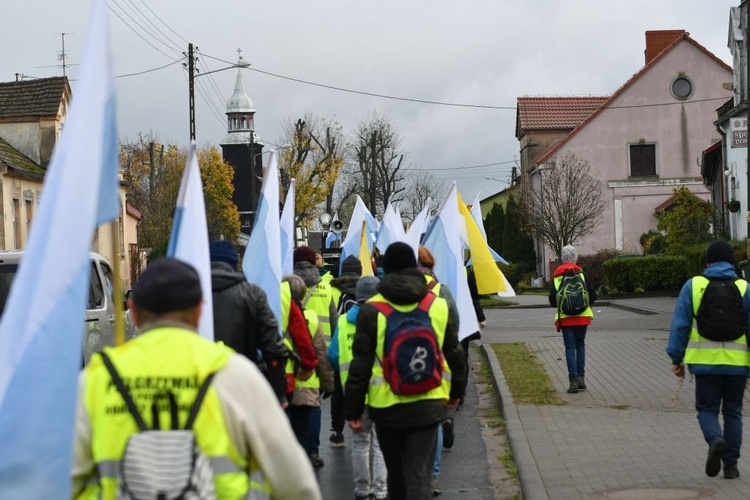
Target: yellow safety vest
[(559, 314), (312, 327), (286, 300), (433, 288), (379, 393), (700, 350), (164, 359), (319, 299), (346, 342)]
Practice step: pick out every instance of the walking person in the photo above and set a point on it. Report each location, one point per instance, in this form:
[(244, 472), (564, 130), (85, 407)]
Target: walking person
[(243, 320), (709, 334), (202, 387), (406, 410), (573, 294), (370, 481)]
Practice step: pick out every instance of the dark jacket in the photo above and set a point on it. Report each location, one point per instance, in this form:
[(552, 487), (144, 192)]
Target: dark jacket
[(347, 285), (244, 321), (403, 288)]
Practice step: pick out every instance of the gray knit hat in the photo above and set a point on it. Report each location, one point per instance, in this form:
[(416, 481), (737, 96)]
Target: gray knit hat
[(367, 286), (568, 254)]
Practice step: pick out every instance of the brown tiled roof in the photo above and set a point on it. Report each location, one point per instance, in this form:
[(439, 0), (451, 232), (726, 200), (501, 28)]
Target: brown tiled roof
[(658, 40), (17, 162), (684, 36), (40, 97), (555, 113)]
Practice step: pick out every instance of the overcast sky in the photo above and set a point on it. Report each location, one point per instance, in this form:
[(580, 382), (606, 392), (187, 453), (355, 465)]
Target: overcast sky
[(478, 52)]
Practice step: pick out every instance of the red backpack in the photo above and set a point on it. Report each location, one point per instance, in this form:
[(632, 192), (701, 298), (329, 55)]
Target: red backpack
[(412, 359)]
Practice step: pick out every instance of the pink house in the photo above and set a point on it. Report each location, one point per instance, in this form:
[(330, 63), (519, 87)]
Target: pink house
[(641, 142)]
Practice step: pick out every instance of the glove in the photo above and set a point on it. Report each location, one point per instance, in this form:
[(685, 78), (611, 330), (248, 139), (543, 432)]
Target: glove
[(482, 324)]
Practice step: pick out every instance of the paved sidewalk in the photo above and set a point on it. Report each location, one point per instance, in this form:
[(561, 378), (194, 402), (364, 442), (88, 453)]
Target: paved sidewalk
[(633, 434)]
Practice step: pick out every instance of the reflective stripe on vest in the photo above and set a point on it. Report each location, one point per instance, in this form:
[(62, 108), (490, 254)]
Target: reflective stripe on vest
[(312, 327), (164, 359), (559, 314), (702, 351), (346, 342), (379, 393)]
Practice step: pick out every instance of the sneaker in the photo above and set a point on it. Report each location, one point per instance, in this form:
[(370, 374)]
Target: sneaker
[(435, 486), (581, 384), (573, 387), (731, 472), (713, 461), (337, 440), (448, 436), (316, 461)]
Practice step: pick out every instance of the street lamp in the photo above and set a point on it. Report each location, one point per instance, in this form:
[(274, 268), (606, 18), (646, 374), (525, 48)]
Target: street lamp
[(191, 80), (496, 179)]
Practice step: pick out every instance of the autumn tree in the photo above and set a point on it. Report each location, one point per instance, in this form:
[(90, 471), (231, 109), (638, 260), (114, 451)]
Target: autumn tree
[(494, 223), (566, 205), (221, 213), (518, 247), (153, 173), (686, 222), (375, 170), (314, 161)]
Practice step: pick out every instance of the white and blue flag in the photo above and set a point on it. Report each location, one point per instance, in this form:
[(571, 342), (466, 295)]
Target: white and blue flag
[(351, 245), (418, 227), (443, 239), (288, 235), (42, 326), (262, 261), (189, 239), (391, 229)]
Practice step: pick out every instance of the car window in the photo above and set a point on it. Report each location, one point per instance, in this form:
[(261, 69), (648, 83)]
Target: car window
[(7, 273), (109, 278), (96, 289)]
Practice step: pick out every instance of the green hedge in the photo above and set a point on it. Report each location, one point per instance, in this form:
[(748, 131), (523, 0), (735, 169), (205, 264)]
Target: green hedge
[(646, 273)]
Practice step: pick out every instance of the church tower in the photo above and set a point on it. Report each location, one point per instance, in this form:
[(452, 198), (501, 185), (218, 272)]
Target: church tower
[(240, 148)]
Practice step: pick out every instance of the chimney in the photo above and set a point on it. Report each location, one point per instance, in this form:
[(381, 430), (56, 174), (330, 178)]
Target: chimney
[(657, 41)]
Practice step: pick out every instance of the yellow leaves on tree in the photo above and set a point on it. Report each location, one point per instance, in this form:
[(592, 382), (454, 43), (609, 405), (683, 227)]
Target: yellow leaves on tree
[(221, 213)]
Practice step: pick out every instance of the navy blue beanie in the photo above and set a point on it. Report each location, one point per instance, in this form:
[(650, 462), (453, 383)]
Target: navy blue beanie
[(223, 251)]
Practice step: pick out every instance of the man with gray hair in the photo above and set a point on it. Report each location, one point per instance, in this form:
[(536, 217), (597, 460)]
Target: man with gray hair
[(572, 293)]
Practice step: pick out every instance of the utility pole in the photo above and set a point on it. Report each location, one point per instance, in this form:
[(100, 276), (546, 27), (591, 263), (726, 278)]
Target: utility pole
[(191, 80)]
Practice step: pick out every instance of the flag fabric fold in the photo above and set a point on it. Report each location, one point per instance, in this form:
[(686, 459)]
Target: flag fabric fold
[(189, 239), (43, 322), (391, 229), (418, 227), (365, 256), (262, 261), (489, 277), (444, 242), (352, 241), (476, 213), (287, 232)]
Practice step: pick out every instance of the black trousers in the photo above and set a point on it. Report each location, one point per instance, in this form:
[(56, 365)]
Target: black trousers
[(337, 405), (409, 457)]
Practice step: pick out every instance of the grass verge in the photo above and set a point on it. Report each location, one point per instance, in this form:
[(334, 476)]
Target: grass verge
[(525, 375), (494, 302)]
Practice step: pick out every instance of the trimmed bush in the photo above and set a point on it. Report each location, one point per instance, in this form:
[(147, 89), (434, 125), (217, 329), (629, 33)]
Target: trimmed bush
[(592, 265), (646, 273)]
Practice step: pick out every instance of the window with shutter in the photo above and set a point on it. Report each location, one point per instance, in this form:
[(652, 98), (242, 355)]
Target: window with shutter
[(642, 160)]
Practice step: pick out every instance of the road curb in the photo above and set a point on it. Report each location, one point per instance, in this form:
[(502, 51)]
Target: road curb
[(532, 485)]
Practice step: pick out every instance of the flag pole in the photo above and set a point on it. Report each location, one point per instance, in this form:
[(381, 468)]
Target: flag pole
[(117, 278)]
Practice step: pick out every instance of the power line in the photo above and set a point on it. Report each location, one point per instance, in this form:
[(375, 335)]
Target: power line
[(144, 30), (463, 167), (138, 34), (165, 24), (150, 22), (151, 70)]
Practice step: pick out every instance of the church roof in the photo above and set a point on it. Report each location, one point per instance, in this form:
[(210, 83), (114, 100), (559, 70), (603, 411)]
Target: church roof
[(240, 102)]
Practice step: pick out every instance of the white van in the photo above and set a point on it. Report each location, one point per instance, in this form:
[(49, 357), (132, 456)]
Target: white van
[(99, 329)]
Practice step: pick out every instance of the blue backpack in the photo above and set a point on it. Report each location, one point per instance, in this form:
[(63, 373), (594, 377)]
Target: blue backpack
[(412, 359)]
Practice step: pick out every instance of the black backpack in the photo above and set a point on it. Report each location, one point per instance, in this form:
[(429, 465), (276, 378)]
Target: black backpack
[(572, 294), (721, 314)]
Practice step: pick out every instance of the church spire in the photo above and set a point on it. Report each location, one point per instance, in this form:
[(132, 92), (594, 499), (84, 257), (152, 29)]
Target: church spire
[(240, 112)]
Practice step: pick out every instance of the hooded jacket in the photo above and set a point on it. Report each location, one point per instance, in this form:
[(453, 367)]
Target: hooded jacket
[(244, 321), (345, 289), (571, 320), (404, 287), (682, 323)]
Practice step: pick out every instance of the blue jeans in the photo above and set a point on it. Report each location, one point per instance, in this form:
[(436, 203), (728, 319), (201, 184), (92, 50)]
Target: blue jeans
[(574, 338), (726, 392), (313, 436)]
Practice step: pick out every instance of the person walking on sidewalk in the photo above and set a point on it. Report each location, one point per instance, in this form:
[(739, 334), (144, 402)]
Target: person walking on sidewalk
[(708, 333), (573, 326)]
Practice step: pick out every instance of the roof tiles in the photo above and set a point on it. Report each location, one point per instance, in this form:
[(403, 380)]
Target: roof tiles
[(556, 113), (40, 97)]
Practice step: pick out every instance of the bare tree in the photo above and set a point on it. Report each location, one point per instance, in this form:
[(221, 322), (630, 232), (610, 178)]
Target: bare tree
[(375, 171), (421, 186), (566, 204)]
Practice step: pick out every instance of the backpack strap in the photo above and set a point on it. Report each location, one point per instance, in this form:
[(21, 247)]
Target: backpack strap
[(383, 307), (198, 401), (427, 301), (309, 294), (124, 392), (432, 284)]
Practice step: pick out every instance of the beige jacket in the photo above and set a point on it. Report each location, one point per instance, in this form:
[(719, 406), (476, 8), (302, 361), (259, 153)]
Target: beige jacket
[(309, 396), (255, 422)]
